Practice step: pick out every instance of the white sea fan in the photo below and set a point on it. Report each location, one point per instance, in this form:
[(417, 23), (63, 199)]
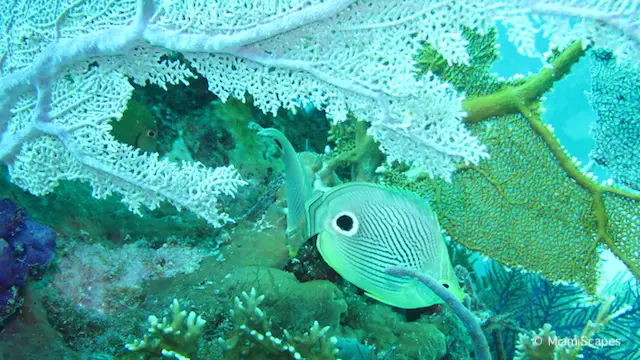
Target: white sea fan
[(65, 66)]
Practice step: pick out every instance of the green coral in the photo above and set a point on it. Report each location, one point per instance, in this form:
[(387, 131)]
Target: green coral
[(355, 150), (520, 207), (530, 204), (474, 79), (252, 335), (522, 96), (176, 338), (235, 116), (72, 210)]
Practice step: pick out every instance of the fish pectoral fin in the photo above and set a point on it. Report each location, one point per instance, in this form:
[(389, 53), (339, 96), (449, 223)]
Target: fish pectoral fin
[(377, 298), (428, 296), (406, 300)]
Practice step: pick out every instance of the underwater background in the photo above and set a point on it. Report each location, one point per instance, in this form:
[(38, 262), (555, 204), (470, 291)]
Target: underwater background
[(143, 216)]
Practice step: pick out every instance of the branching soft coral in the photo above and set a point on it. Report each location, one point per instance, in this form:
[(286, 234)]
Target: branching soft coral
[(547, 345)]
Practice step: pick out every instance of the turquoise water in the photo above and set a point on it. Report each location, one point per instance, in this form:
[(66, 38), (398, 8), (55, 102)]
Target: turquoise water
[(567, 107)]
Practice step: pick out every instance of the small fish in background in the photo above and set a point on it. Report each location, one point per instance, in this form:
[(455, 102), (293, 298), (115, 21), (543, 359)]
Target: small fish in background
[(137, 127), (364, 228)]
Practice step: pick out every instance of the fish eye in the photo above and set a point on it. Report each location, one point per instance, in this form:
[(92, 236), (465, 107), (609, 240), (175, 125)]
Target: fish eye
[(151, 133), (445, 285), (346, 223)]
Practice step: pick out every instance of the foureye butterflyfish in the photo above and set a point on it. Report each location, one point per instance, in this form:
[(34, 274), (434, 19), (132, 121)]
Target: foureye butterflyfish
[(363, 229)]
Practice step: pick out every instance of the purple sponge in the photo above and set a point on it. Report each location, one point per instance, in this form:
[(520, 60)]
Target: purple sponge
[(26, 247), (33, 244), (10, 218), (10, 273)]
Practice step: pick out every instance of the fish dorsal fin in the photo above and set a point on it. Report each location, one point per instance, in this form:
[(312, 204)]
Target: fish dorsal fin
[(297, 187), (412, 196)]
